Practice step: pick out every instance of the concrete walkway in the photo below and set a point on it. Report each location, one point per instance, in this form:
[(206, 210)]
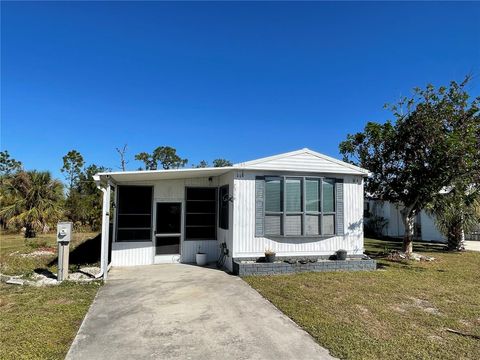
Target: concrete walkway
[(472, 245), (186, 312)]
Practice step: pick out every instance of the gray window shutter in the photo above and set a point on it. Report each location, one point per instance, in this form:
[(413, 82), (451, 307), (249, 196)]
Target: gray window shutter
[(259, 206), (339, 224)]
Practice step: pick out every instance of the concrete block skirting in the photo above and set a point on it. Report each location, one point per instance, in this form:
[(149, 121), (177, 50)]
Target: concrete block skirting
[(245, 267)]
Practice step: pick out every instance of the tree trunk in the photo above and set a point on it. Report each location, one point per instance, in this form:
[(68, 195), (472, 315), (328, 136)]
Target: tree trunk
[(456, 238), (408, 217), (30, 232)]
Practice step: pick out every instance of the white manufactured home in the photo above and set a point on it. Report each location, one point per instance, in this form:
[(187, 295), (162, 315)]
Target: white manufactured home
[(300, 203), (424, 229)]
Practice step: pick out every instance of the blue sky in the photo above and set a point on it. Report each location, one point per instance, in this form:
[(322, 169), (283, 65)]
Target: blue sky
[(231, 80)]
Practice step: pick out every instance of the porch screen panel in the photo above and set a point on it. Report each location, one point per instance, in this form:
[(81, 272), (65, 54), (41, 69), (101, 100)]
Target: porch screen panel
[(134, 221), (201, 214)]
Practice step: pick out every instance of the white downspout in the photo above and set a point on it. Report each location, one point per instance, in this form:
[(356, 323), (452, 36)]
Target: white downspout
[(105, 230)]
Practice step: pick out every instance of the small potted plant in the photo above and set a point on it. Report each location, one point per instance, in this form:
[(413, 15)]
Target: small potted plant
[(341, 254), (269, 256), (201, 258)]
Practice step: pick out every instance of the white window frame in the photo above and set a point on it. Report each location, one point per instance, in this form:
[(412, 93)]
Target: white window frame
[(321, 213)]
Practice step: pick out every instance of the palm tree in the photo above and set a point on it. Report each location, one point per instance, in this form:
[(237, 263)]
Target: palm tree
[(30, 199), (456, 212)]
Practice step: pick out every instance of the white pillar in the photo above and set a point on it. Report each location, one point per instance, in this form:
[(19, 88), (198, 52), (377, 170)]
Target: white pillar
[(105, 230)]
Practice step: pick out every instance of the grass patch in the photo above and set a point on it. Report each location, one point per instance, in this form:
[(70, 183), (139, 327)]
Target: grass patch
[(398, 313), (41, 322), (13, 245)]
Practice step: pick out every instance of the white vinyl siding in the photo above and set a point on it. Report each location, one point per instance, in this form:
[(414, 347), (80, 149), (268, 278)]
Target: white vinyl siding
[(247, 244)]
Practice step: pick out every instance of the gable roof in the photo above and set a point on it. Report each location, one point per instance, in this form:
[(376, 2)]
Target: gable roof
[(303, 160)]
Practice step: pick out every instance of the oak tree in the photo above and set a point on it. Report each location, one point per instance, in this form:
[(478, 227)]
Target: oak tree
[(433, 140)]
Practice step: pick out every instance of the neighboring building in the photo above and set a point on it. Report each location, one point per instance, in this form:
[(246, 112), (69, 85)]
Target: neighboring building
[(300, 203), (425, 228)]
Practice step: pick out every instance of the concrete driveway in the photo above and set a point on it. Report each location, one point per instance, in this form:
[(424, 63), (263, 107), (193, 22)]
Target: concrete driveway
[(472, 245), (186, 312)]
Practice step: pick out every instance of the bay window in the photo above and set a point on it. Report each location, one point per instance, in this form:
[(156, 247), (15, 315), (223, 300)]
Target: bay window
[(299, 206)]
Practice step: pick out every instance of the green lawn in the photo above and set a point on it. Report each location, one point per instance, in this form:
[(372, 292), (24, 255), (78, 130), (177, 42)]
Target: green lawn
[(11, 245), (41, 322), (399, 312)]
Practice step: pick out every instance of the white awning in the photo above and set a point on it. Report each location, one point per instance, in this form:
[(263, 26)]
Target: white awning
[(152, 175)]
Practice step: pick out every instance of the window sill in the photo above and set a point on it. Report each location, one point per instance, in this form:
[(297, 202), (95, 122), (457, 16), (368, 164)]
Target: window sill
[(298, 236), (200, 239)]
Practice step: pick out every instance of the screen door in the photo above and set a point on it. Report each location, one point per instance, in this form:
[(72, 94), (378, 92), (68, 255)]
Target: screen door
[(168, 228)]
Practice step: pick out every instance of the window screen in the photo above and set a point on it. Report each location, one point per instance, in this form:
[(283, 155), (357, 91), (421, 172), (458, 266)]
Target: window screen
[(293, 195), (273, 205), (134, 221), (328, 195), (273, 195), (223, 207), (312, 193), (200, 218), (312, 206)]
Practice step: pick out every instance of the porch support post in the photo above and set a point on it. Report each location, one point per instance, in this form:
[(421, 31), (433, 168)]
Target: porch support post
[(105, 230)]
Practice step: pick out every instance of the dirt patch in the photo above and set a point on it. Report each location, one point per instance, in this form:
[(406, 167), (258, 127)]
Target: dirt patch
[(465, 322), (374, 326), (4, 303), (363, 309), (425, 306), (399, 308), (435, 338), (60, 301), (415, 303)]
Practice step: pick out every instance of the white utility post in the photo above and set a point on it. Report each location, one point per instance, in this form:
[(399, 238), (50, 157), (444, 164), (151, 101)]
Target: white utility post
[(64, 236), (105, 229)]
